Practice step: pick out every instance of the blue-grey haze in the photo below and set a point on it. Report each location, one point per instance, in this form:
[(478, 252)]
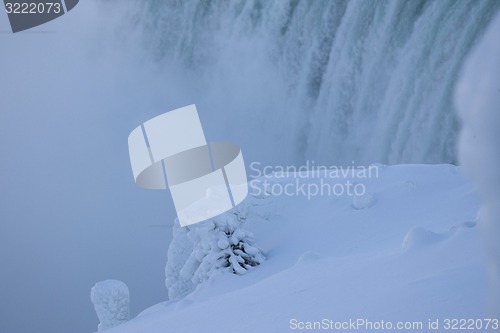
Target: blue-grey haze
[(330, 81)]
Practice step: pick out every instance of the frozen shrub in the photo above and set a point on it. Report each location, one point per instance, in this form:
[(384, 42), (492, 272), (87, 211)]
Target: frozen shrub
[(111, 302)]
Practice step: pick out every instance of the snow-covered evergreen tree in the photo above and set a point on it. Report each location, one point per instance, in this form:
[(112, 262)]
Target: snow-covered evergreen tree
[(178, 252), (222, 244), (197, 251)]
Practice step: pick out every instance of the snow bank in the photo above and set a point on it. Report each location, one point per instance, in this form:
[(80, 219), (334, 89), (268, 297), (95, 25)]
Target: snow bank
[(478, 100), (111, 302), (325, 259)]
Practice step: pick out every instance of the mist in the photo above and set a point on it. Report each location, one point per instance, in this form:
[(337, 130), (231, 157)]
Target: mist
[(70, 213), (328, 81)]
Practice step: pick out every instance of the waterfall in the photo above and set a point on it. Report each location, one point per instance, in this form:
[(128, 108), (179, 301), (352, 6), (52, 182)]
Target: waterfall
[(329, 81)]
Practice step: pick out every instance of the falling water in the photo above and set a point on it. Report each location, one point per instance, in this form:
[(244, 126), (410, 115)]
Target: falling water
[(330, 81)]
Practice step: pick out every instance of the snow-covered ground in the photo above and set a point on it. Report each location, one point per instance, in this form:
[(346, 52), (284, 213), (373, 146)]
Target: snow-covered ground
[(407, 255), (412, 254)]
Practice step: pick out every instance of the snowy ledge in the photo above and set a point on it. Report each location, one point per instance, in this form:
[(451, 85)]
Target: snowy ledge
[(413, 253)]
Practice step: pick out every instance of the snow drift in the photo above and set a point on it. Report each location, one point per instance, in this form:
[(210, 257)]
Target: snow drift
[(414, 254)]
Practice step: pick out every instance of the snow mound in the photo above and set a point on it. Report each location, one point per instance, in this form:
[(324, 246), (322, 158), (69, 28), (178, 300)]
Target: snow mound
[(111, 302), (309, 256), (418, 237), (363, 201)]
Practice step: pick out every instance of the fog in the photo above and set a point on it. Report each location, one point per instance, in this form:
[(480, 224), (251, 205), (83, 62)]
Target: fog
[(277, 84), (70, 213)]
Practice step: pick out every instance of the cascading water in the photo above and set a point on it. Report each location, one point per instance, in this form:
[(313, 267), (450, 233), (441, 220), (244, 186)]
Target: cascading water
[(329, 81)]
